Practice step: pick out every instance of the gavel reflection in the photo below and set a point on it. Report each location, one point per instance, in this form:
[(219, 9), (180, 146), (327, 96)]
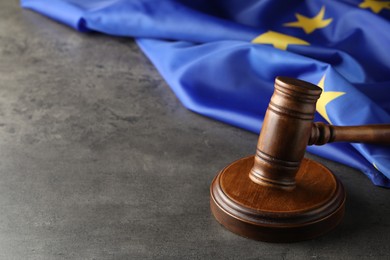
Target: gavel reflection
[(278, 195)]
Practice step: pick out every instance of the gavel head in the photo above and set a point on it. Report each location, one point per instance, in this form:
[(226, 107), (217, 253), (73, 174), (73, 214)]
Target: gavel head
[(285, 133)]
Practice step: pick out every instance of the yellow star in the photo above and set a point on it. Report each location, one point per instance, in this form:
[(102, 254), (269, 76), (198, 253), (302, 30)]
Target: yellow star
[(278, 40), (309, 25), (376, 6), (325, 99)]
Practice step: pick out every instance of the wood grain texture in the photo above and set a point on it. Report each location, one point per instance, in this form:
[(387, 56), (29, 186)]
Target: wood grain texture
[(269, 214), (285, 133), (375, 134), (277, 195)]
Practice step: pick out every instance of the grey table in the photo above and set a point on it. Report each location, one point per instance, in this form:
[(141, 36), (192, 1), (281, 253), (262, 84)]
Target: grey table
[(99, 160)]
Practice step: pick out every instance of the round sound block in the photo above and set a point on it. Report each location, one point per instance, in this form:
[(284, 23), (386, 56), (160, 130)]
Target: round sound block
[(266, 213)]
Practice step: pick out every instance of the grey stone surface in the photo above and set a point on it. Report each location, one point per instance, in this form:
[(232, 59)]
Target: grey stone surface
[(99, 160)]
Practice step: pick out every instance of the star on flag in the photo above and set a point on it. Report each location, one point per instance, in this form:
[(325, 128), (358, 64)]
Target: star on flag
[(278, 40), (325, 98), (375, 6), (309, 25)]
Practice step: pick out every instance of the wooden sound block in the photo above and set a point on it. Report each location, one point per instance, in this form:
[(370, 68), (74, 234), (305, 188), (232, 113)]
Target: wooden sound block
[(314, 207)]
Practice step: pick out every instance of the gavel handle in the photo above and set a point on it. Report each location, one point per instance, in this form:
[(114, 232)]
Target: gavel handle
[(376, 134)]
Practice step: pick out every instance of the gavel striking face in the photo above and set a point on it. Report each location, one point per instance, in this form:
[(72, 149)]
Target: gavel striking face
[(278, 195)]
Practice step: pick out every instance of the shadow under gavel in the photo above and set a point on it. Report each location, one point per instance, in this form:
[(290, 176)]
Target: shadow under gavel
[(277, 195)]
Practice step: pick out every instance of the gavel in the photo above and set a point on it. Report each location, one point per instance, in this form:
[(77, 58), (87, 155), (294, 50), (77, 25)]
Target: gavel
[(277, 195)]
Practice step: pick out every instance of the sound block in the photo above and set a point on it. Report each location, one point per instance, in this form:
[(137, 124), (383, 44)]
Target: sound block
[(314, 207)]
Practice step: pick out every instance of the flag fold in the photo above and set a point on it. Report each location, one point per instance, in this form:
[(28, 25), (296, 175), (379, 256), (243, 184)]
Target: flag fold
[(221, 57)]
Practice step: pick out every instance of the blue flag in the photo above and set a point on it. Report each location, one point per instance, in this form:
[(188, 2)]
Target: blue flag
[(221, 57)]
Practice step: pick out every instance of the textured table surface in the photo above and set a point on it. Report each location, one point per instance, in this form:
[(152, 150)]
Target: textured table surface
[(99, 160)]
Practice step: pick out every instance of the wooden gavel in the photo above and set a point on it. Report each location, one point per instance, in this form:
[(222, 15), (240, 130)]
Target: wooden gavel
[(277, 195), (288, 128)]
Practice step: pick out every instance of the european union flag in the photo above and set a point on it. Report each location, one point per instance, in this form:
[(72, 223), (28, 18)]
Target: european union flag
[(221, 57)]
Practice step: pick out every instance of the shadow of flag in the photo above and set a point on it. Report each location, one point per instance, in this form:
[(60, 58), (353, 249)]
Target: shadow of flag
[(221, 57)]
